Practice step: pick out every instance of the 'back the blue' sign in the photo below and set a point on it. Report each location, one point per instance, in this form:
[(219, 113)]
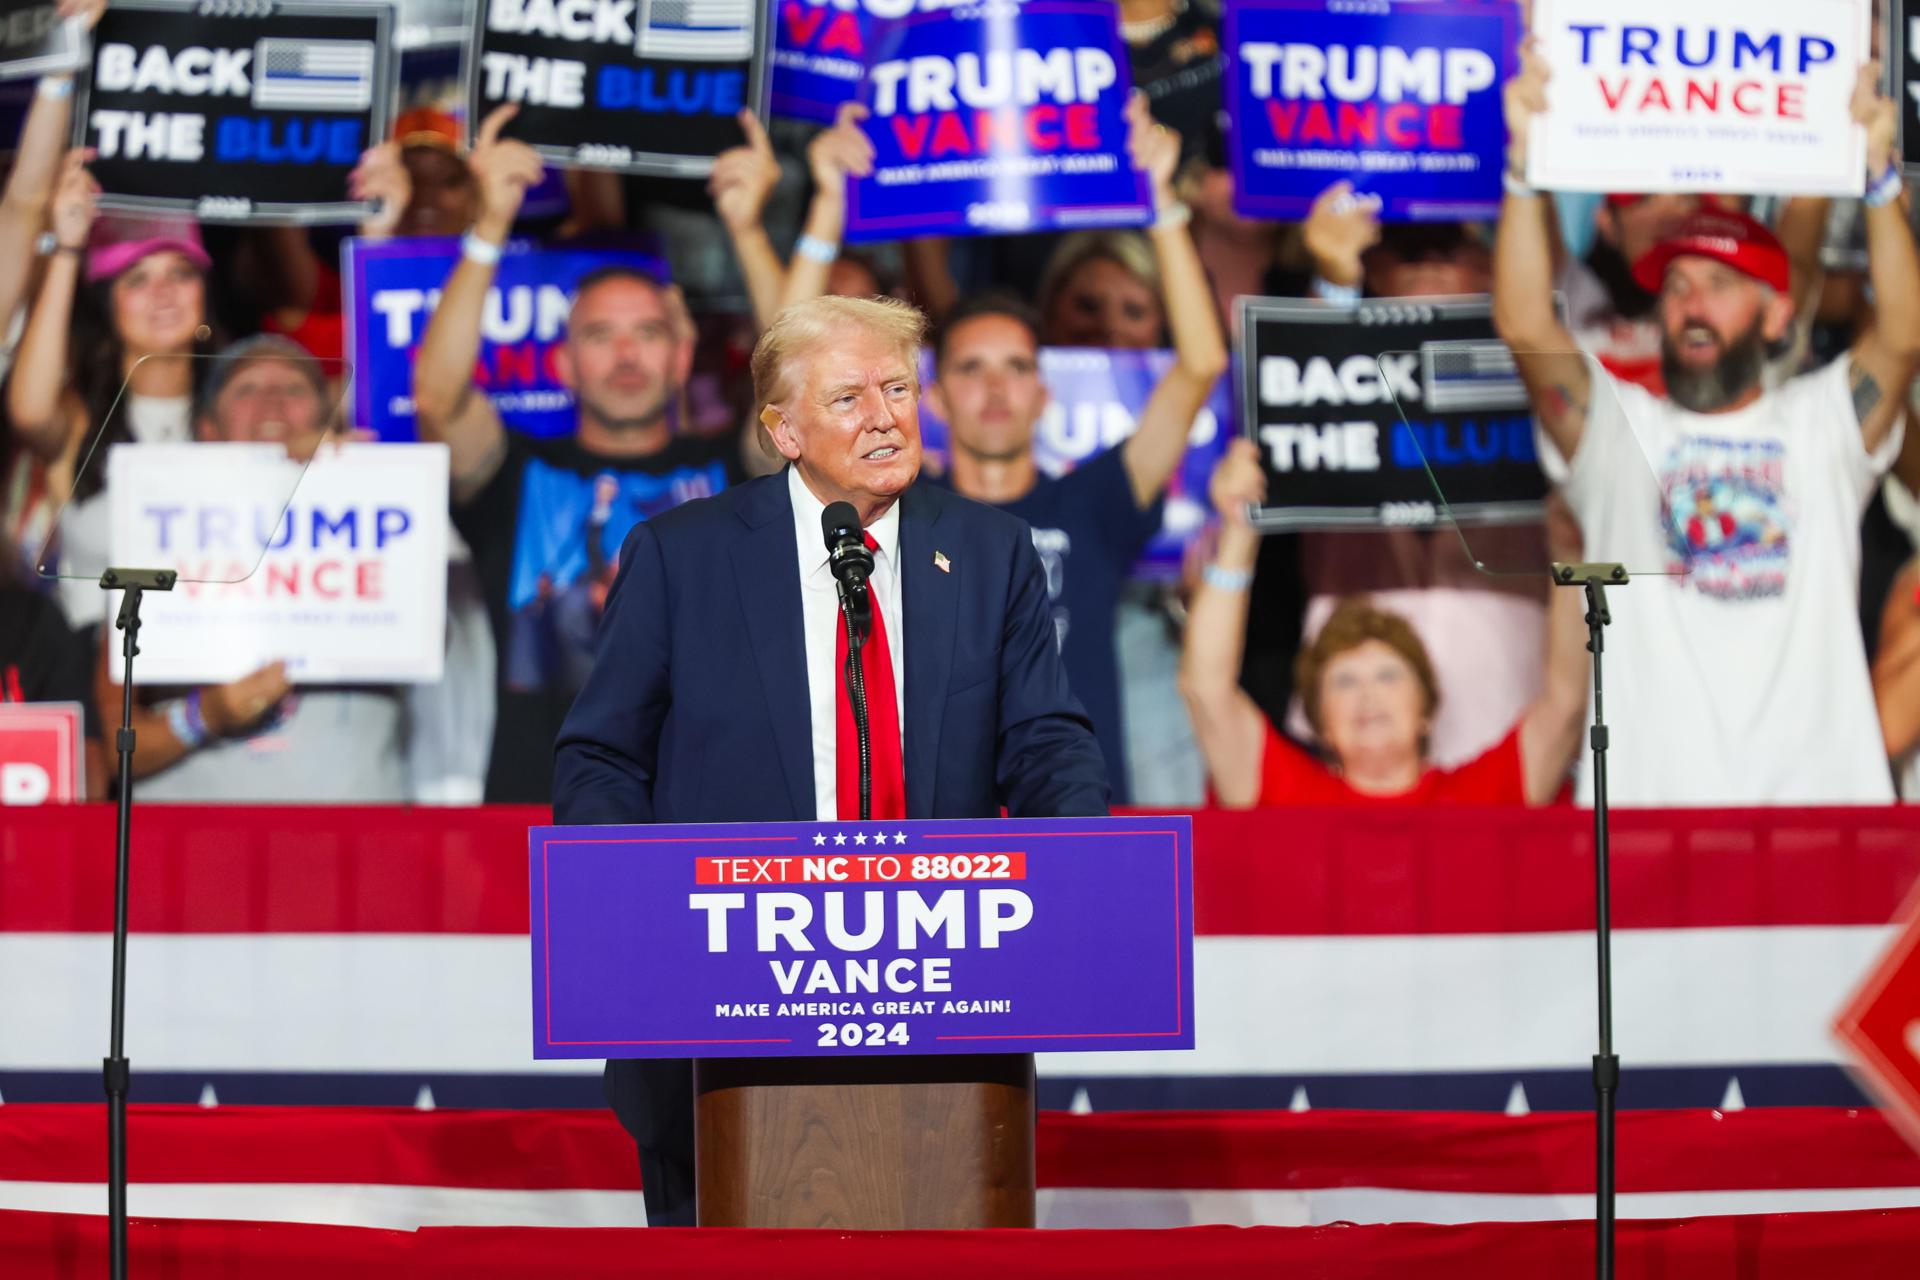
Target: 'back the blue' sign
[(798, 939), (1401, 97), (998, 119)]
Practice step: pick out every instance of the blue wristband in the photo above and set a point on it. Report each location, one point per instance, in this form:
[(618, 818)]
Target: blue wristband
[(1885, 189), (183, 719), (1228, 579)]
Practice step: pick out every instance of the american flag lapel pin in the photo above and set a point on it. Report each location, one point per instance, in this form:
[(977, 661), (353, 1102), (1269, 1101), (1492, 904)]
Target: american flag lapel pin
[(941, 562)]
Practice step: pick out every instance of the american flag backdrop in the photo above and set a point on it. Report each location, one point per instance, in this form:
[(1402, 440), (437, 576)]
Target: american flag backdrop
[(696, 30), (325, 75)]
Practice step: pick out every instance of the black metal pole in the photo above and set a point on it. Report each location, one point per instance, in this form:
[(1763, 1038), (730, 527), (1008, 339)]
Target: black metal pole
[(116, 1072), (1606, 1064)]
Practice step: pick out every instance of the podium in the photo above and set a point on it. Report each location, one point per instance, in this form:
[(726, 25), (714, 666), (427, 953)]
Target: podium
[(936, 1142), (863, 1001)]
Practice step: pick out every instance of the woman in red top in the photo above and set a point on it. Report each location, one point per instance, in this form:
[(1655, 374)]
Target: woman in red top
[(1368, 691)]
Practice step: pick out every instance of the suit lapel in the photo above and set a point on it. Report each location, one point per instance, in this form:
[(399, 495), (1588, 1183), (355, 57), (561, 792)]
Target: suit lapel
[(766, 571), (929, 595)]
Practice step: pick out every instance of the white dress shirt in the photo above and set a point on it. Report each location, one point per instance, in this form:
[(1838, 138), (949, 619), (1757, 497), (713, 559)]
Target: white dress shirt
[(820, 615)]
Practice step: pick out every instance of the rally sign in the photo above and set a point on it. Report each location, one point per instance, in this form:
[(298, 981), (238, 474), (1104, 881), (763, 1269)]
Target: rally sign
[(237, 113), (1094, 401), (352, 585), (391, 288), (1734, 96), (1903, 46), (593, 77), (804, 939), (998, 119), (41, 756), (820, 51), (1402, 98), (1351, 406), (36, 41)]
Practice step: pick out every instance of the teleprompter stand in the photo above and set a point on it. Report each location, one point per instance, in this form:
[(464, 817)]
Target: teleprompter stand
[(117, 1072), (1594, 579)]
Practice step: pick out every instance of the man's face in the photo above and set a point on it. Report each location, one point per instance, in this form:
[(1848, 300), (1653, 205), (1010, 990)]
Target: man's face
[(989, 389), (851, 420), (442, 203), (268, 399), (1636, 228), (625, 358), (1715, 324)]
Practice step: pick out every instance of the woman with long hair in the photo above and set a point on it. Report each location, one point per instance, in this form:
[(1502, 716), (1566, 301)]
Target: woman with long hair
[(124, 304)]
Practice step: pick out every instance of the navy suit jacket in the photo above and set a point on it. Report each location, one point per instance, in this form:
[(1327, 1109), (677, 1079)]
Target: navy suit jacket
[(697, 707)]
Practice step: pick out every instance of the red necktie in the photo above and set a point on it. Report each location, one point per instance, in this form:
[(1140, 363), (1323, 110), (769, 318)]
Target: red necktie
[(888, 799)]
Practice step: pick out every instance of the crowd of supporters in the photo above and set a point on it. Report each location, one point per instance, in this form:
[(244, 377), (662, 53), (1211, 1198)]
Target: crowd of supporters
[(1693, 339)]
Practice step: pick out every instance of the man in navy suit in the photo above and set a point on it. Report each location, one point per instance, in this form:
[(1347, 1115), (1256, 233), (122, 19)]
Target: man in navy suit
[(716, 693)]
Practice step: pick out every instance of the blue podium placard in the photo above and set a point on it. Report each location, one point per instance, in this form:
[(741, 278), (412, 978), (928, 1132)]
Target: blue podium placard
[(996, 119), (808, 938), (1400, 97)]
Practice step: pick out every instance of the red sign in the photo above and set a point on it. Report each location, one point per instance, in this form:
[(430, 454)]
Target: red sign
[(1880, 1025), (40, 753)]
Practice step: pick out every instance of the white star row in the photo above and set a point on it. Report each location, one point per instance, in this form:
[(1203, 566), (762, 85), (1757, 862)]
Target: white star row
[(860, 837)]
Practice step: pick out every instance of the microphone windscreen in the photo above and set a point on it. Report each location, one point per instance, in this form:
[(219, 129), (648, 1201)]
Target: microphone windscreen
[(838, 522)]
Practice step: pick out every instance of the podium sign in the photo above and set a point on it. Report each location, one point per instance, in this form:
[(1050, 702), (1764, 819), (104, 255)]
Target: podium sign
[(1880, 1026), (41, 756), (814, 939)]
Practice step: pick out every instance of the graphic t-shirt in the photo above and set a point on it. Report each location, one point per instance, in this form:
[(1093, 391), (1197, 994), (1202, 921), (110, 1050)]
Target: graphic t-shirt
[(546, 534), (1289, 776), (1740, 678), (1089, 530)]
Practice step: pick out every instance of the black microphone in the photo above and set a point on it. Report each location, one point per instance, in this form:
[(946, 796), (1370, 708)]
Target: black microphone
[(847, 553)]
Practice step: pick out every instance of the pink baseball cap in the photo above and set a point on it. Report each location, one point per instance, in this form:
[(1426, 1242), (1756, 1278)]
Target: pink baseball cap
[(119, 242)]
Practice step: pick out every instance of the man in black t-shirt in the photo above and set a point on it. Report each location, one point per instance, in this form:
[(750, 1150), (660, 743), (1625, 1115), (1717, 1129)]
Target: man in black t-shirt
[(1090, 524), (546, 517)]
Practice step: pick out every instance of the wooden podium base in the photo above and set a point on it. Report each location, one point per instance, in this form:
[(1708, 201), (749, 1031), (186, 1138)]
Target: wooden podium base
[(879, 1143)]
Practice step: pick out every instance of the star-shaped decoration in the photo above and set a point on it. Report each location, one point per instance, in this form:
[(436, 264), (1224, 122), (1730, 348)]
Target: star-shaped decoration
[(819, 838), (860, 838), (899, 837), (839, 837)]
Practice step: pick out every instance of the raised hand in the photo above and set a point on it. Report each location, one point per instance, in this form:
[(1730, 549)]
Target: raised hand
[(1524, 98), (231, 709), (75, 201), (1340, 228), (381, 176), (1238, 483), (1155, 149), (744, 177), (503, 170), (840, 152), (1876, 112)]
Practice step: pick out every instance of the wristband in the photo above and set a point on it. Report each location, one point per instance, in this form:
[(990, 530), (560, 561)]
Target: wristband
[(813, 248), (484, 252), (1227, 579), (54, 88), (1169, 216), (183, 718), (1885, 189), (1345, 295), (1514, 185)]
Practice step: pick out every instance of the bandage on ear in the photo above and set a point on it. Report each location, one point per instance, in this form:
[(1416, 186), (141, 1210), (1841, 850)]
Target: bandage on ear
[(769, 417)]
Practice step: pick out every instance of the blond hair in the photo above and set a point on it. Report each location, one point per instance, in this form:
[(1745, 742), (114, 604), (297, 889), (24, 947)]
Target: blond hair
[(807, 324), (1127, 248)]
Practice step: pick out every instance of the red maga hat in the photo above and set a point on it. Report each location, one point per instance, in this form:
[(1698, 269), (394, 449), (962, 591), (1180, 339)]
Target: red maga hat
[(1733, 238)]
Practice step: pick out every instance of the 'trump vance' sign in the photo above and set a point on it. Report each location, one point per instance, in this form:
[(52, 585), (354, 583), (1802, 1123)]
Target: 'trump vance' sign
[(795, 939), (820, 51), (644, 86), (391, 288), (998, 119), (1401, 97), (345, 583), (1351, 407), (1712, 95), (236, 113)]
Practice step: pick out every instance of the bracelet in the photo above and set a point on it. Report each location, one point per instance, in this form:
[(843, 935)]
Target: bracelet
[(1514, 185), (1227, 579), (183, 718), (1345, 295), (813, 248), (1169, 216), (54, 88), (1885, 189), (484, 252)]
